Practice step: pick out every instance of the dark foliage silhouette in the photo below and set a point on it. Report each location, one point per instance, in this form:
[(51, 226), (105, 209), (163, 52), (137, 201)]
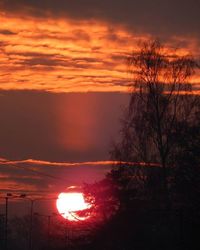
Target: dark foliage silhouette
[(156, 175), (162, 106)]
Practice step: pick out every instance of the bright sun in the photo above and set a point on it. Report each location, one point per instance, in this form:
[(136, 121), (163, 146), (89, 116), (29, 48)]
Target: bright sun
[(68, 204)]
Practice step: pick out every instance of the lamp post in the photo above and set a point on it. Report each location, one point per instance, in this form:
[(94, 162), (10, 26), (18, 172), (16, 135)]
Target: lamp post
[(30, 245), (31, 225), (6, 224), (9, 195), (2, 223), (31, 217), (24, 196), (48, 225)]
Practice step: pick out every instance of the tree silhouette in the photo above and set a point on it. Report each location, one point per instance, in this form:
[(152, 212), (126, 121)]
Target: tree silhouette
[(156, 163), (162, 104), (187, 166)]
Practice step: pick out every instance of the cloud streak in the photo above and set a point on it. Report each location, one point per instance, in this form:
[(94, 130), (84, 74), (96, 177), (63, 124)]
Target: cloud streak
[(38, 176), (32, 176)]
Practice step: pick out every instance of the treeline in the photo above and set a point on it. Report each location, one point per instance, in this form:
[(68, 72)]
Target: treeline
[(154, 204)]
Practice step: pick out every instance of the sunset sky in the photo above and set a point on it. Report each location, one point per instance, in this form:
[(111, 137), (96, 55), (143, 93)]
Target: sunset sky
[(64, 81)]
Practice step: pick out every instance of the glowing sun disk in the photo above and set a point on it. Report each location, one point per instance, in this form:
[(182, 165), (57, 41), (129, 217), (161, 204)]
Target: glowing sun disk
[(68, 204)]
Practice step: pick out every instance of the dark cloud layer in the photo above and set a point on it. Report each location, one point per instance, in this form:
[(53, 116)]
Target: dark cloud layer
[(172, 17), (59, 127)]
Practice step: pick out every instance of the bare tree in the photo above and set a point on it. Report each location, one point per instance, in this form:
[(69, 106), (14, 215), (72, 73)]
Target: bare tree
[(162, 101)]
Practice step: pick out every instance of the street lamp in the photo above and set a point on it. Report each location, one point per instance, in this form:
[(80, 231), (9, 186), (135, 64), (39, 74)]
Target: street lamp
[(31, 217), (21, 196), (48, 224), (9, 195), (2, 223)]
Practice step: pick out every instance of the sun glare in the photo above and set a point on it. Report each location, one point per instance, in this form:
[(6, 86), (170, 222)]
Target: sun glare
[(68, 204)]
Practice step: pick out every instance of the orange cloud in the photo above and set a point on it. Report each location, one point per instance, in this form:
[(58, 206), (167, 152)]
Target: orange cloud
[(67, 56)]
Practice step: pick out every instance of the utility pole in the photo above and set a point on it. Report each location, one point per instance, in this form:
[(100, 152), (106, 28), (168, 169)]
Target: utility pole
[(48, 226), (48, 236), (8, 195), (2, 230), (31, 225), (6, 224), (31, 217)]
